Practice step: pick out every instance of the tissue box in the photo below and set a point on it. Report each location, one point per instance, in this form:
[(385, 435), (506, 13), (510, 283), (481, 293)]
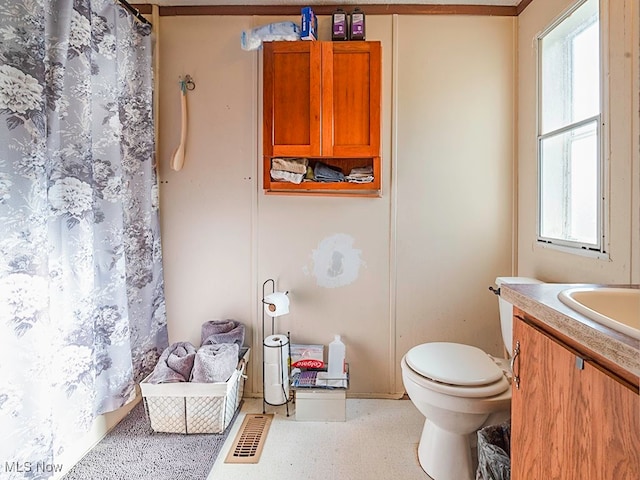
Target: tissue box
[(309, 25), (307, 356)]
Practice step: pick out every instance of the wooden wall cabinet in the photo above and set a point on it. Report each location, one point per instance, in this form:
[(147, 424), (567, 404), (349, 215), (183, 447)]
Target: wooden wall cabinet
[(570, 419), (322, 102)]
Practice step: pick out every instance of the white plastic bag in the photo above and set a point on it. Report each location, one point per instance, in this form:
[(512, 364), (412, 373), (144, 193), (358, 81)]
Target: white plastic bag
[(252, 39), (494, 452)]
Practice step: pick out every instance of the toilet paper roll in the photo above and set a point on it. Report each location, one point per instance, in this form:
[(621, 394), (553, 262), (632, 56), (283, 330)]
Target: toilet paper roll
[(275, 394), (276, 304), (276, 369), (272, 374)]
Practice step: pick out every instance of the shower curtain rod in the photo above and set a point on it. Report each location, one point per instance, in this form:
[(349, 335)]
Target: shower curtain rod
[(134, 11)]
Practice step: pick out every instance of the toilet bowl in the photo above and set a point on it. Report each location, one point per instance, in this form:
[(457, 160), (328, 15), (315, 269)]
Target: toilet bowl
[(454, 406), (459, 389)]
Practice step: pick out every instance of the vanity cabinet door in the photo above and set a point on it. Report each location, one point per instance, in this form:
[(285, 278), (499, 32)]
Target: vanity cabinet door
[(547, 417), (615, 417), (570, 420)]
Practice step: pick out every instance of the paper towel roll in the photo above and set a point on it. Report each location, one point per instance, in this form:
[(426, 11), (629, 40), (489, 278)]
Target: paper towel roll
[(276, 304), (276, 369)]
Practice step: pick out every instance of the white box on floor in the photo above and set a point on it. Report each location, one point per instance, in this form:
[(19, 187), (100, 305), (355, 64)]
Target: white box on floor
[(321, 405)]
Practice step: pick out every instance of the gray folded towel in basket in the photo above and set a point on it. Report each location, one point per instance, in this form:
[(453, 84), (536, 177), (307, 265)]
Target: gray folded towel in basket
[(222, 331), (175, 364), (215, 363)]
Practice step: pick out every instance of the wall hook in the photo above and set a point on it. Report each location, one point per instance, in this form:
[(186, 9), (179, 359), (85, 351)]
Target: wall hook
[(187, 84)]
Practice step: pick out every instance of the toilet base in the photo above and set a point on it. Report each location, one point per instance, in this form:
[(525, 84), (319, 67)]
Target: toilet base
[(444, 455)]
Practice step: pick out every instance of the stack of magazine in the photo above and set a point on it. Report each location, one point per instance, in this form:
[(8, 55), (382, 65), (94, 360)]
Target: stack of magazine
[(317, 379)]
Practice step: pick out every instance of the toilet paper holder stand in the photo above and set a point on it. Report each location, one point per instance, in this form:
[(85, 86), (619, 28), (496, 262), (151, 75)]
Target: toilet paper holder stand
[(274, 313)]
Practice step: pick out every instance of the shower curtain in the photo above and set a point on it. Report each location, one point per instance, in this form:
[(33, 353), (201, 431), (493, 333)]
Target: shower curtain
[(82, 314)]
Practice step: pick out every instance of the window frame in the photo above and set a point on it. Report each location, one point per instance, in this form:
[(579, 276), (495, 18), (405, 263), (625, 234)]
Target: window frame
[(600, 246)]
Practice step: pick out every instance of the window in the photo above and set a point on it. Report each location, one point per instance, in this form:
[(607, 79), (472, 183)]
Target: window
[(569, 131)]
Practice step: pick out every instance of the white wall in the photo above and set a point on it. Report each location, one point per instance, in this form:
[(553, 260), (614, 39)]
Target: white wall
[(207, 208), (441, 227), (635, 150), (354, 303), (621, 119), (454, 177)]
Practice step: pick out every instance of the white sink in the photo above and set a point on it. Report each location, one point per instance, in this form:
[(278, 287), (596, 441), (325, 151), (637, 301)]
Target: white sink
[(614, 307)]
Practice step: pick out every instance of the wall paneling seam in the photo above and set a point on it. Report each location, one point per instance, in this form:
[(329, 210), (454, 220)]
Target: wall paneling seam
[(393, 211), (256, 381)]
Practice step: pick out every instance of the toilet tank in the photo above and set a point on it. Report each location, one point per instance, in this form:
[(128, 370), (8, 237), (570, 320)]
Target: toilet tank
[(506, 310)]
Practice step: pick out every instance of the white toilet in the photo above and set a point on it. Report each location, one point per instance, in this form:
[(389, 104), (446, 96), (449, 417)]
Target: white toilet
[(459, 389)]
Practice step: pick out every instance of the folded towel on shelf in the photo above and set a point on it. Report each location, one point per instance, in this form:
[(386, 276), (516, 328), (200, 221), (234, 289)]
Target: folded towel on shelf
[(368, 179), (215, 363), (222, 331), (282, 176), (360, 175), (325, 173), (175, 364), (293, 165), (361, 171)]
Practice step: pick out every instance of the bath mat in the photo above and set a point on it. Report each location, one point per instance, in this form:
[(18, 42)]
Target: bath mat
[(248, 444), (133, 451)]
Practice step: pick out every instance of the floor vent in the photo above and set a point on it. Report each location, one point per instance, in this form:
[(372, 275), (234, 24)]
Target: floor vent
[(247, 446)]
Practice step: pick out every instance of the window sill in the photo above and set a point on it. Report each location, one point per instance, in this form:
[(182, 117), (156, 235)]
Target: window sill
[(572, 250)]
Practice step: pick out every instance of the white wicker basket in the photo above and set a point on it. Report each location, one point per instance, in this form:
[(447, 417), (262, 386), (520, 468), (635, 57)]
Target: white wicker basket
[(194, 407)]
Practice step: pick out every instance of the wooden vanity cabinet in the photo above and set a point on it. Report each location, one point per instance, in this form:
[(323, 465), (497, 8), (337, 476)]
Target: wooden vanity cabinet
[(570, 419), (321, 100)]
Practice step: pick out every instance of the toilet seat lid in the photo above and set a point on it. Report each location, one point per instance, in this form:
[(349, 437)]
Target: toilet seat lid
[(453, 363)]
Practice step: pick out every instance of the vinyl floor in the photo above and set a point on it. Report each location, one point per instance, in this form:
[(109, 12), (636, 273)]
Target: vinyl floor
[(379, 440)]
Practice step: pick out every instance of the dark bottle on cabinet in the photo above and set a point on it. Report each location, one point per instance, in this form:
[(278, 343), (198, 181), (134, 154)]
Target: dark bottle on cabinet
[(339, 25), (357, 30)]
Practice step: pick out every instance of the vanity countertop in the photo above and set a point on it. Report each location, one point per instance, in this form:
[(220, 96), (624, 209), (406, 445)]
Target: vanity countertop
[(590, 338)]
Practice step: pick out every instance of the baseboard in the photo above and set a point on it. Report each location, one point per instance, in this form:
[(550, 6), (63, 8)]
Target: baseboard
[(370, 396)]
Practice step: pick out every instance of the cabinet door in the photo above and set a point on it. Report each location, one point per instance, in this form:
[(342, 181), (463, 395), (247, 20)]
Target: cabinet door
[(615, 418), (291, 103), (544, 417), (351, 85)]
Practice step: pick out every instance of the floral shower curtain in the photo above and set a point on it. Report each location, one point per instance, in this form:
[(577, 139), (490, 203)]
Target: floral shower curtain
[(82, 315)]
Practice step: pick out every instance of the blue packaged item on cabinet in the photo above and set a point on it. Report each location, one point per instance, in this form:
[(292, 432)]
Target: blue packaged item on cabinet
[(309, 25)]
